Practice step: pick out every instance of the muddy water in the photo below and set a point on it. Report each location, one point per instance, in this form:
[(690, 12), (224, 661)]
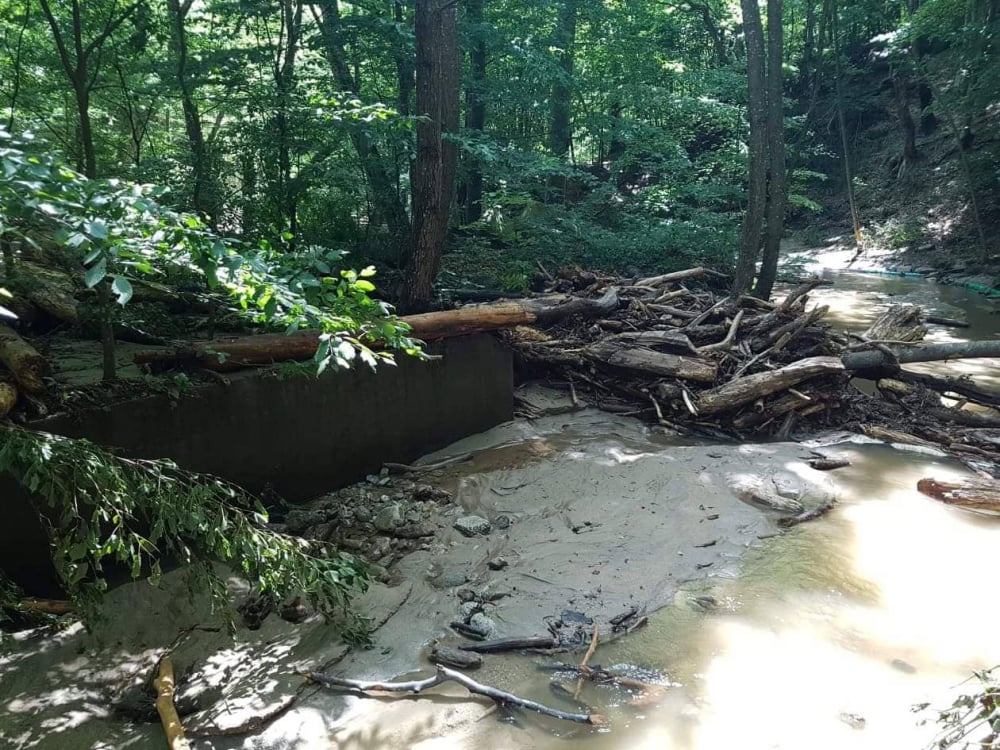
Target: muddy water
[(824, 637)]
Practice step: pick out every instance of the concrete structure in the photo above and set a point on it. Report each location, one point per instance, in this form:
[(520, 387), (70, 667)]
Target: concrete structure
[(299, 435)]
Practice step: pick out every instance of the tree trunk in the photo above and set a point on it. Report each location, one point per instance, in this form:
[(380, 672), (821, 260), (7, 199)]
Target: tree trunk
[(749, 388), (291, 15), (561, 136), (848, 177), (388, 206), (203, 198), (475, 110), (757, 111), (901, 95), (778, 184), (434, 174)]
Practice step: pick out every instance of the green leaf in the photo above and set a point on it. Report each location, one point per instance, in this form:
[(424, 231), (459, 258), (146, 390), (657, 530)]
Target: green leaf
[(97, 228), (364, 286), (96, 273), (122, 287)]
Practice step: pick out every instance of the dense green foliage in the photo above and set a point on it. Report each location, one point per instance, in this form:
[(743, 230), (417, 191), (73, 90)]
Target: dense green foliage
[(108, 513)]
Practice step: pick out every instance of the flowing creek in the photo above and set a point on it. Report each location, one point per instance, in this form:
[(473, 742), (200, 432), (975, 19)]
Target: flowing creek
[(825, 636)]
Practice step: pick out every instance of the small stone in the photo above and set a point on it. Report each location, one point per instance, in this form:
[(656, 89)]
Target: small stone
[(473, 526), (497, 563), (415, 530), (362, 514), (468, 609), (298, 521), (451, 578), (502, 522), (903, 666), (854, 721), (483, 625), (389, 517), (381, 547), (466, 595)]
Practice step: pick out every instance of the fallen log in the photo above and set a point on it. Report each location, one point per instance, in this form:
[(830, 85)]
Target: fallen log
[(948, 322), (974, 494), (749, 388), (24, 362), (963, 417), (47, 606), (893, 436), (232, 354), (664, 278), (960, 386), (653, 339), (448, 675), (500, 645), (874, 358), (657, 363)]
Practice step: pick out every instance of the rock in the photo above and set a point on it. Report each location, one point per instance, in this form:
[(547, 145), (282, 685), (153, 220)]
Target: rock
[(298, 520), (926, 270), (451, 578), (455, 657), (381, 547), (431, 494), (468, 609), (497, 563), (389, 517), (416, 530), (483, 625), (362, 514), (762, 490), (502, 522), (473, 526), (467, 595)]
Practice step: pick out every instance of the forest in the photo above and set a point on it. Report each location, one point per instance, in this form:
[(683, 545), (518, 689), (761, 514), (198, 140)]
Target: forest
[(627, 195)]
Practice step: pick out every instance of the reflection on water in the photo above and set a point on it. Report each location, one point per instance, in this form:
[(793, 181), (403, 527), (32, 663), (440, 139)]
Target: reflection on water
[(827, 639), (857, 299)]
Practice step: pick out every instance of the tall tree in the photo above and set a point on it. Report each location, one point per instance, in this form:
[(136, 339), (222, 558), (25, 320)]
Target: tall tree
[(388, 204), (204, 195), (436, 29), (475, 108), (777, 185), (753, 219), (81, 59), (561, 131)]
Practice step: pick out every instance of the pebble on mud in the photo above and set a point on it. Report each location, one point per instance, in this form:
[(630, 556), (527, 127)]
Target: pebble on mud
[(497, 563), (473, 526)]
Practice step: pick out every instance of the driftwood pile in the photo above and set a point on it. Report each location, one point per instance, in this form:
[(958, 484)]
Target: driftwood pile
[(697, 360)]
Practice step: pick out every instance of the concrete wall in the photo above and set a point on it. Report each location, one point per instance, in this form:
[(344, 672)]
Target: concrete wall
[(301, 435)]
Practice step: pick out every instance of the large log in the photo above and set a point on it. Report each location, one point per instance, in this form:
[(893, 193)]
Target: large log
[(656, 363), (232, 354), (975, 494), (23, 360), (741, 391), (875, 358)]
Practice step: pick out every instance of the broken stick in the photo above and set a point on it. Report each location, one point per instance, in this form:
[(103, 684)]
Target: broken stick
[(165, 707), (449, 675)]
